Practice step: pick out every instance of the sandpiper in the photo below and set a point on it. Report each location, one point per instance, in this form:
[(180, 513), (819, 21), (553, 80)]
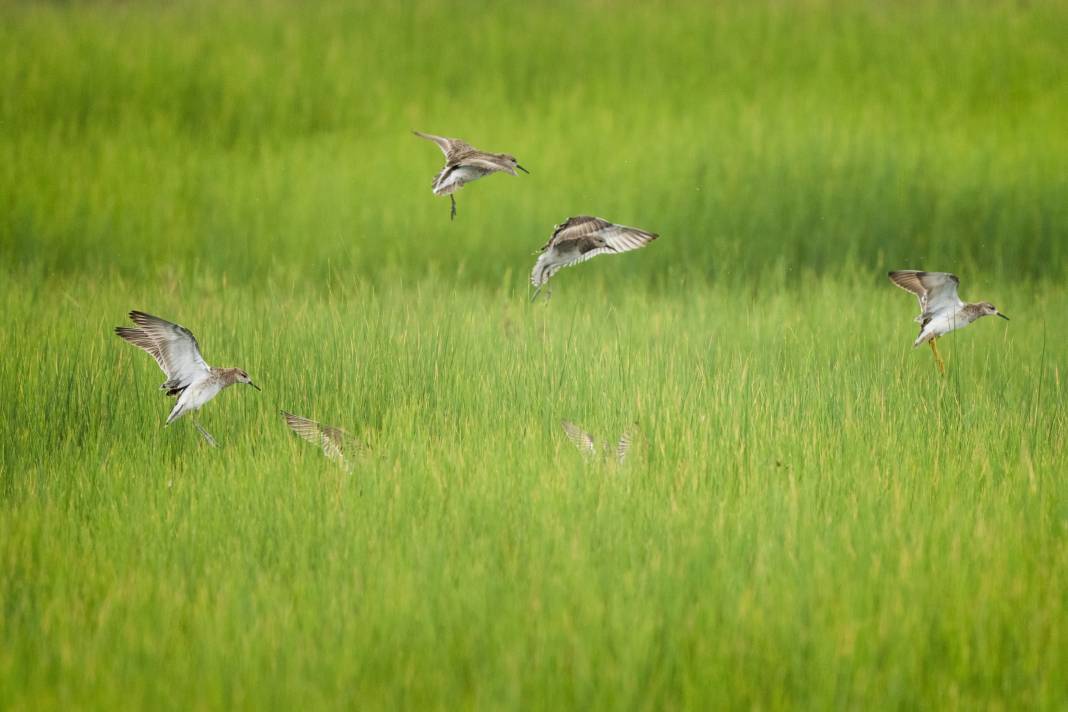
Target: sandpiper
[(581, 238), (589, 447), (465, 163), (941, 310), (335, 442), (188, 377)]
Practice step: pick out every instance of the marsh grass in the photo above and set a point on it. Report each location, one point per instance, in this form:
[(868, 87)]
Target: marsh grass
[(811, 516)]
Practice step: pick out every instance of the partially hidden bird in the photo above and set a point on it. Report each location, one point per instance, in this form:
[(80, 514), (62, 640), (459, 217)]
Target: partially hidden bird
[(335, 442), (590, 447)]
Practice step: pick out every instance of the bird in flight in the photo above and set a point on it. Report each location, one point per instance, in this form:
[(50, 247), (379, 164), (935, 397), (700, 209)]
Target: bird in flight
[(176, 351), (582, 238), (589, 447), (465, 163), (335, 442), (941, 310)]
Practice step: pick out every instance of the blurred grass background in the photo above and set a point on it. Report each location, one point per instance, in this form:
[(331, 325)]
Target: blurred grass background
[(812, 517), (266, 138)]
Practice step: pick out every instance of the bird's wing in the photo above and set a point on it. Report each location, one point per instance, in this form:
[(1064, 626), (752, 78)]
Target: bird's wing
[(304, 427), (623, 446), (333, 441), (608, 239), (579, 437), (576, 227), (173, 346), (620, 238), (451, 147), (484, 163), (336, 442), (937, 291)]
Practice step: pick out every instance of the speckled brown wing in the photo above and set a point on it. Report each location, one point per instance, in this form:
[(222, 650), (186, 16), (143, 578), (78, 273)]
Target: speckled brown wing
[(579, 438), (335, 442), (625, 440), (575, 228), (453, 148)]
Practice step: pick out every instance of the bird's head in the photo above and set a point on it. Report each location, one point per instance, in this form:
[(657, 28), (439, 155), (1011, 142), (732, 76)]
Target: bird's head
[(242, 377), (513, 163), (989, 309)]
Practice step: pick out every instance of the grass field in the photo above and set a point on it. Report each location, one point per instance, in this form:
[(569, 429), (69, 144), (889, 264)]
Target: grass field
[(812, 517)]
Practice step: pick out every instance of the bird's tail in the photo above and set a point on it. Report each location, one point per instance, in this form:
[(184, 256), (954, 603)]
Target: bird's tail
[(176, 413), (541, 273)]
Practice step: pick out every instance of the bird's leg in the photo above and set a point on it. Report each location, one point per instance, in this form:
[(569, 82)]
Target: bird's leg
[(206, 434), (938, 359), (452, 213)]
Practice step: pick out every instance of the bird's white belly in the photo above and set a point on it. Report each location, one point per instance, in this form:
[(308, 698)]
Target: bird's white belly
[(941, 325), (455, 179), (200, 393)]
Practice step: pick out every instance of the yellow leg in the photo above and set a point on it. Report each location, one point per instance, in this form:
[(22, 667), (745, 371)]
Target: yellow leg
[(938, 359)]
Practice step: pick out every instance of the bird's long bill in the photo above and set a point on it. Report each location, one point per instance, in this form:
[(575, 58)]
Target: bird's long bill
[(255, 386), (1002, 316), (534, 296), (522, 169)]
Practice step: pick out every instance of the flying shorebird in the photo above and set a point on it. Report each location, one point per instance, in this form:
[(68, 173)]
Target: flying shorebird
[(941, 310), (465, 163), (581, 238), (589, 447), (188, 377), (335, 442)]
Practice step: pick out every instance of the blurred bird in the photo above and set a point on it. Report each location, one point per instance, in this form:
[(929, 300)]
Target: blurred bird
[(188, 377), (941, 310), (335, 442), (589, 447), (465, 163), (581, 238)]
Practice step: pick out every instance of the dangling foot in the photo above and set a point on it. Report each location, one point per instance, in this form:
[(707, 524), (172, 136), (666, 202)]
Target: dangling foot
[(938, 359), (206, 434), (452, 213)]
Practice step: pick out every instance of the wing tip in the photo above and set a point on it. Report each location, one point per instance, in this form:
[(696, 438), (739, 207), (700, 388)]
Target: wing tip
[(900, 276), (292, 418), (128, 333), (140, 317)]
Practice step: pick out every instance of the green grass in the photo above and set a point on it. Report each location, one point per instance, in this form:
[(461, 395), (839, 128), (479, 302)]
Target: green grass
[(812, 518)]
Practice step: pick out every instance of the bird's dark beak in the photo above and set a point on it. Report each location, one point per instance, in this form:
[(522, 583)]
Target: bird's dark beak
[(1002, 316), (522, 169), (255, 386)]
